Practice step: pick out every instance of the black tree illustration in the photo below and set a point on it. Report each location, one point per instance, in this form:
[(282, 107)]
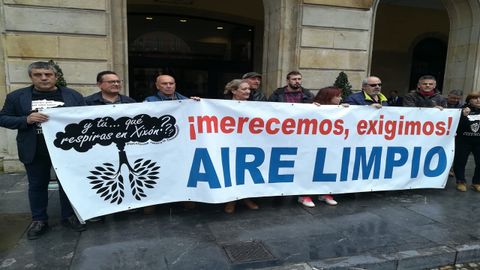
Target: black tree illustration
[(109, 182)]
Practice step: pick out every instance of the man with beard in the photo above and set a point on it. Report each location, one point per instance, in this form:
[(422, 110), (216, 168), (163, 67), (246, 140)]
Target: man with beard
[(293, 92), (370, 94)]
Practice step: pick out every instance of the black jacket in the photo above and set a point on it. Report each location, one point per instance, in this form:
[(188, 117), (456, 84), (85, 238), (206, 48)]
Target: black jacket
[(18, 105), (96, 99), (278, 95), (415, 99), (469, 126)]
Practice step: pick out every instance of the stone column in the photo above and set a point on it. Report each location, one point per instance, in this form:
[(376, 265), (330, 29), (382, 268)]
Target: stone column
[(118, 30), (463, 57), (280, 42)]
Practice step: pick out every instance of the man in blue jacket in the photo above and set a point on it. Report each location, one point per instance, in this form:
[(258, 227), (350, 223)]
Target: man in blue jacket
[(370, 94), (22, 111), (166, 87)]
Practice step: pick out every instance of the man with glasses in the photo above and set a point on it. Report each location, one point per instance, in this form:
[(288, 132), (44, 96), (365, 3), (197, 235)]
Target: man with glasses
[(370, 94), (110, 86), (426, 94)]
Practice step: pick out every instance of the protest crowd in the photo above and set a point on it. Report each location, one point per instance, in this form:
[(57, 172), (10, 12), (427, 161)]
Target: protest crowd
[(22, 111)]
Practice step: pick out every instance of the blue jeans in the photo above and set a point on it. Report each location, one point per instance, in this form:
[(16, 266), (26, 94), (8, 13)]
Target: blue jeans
[(38, 173)]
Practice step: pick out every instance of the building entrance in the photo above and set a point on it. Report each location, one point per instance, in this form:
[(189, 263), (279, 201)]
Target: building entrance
[(202, 54)]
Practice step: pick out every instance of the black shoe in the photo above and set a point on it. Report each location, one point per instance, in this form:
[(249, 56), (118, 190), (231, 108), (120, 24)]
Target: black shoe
[(73, 223), (37, 229), (97, 220)]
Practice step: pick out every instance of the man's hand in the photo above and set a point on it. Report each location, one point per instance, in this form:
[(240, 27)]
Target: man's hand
[(466, 111), (376, 105), (36, 117)]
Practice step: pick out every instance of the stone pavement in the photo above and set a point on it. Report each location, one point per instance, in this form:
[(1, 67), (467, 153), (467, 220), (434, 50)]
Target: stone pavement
[(413, 229)]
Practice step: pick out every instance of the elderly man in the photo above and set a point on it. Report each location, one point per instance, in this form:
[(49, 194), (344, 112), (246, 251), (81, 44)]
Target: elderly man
[(454, 99), (22, 111), (110, 86), (254, 79), (426, 94), (370, 94), (166, 87)]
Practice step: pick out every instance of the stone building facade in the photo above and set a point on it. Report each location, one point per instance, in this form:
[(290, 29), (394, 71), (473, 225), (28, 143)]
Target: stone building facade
[(319, 38)]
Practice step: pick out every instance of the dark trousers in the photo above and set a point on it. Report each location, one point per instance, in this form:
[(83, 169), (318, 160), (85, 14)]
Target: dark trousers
[(38, 173), (463, 148)]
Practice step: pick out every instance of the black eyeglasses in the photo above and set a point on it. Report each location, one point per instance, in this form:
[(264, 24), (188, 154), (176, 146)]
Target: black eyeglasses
[(375, 84), (112, 82)]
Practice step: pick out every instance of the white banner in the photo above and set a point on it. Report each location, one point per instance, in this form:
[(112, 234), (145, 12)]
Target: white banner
[(116, 157)]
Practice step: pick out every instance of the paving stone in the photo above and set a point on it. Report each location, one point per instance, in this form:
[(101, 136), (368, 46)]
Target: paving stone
[(356, 262), (424, 258), (468, 252), (415, 229)]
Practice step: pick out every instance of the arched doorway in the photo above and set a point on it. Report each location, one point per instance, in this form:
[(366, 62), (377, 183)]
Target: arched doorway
[(202, 45), (459, 26), (428, 57), (409, 41)]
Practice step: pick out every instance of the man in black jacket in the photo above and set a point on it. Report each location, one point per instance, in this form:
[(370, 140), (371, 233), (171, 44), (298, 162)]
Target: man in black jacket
[(110, 86), (254, 79), (22, 111), (293, 92)]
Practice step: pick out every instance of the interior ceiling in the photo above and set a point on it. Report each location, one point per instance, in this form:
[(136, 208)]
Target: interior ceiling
[(249, 9), (432, 4)]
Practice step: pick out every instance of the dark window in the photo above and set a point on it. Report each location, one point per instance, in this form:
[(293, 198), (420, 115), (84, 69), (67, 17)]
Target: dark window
[(202, 54)]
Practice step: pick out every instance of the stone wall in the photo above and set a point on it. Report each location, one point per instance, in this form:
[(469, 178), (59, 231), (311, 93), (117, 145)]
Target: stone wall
[(75, 34), (335, 36)]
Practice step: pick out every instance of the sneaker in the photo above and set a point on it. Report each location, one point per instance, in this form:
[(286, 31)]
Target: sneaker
[(476, 187), (328, 199), (306, 201), (37, 229), (73, 223), (462, 187)]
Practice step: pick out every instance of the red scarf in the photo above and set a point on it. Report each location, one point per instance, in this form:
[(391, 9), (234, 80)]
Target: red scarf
[(427, 94)]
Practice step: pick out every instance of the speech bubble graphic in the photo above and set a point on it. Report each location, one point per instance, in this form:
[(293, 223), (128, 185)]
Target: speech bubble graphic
[(106, 179)]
